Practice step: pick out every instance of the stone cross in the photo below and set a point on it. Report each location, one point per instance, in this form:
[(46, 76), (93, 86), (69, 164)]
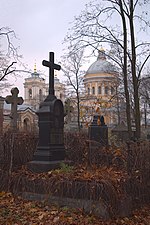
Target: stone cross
[(51, 66), (14, 100)]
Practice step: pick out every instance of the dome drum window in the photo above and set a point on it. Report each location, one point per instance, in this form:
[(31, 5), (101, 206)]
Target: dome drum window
[(88, 91), (93, 90), (99, 90), (112, 90), (106, 90)]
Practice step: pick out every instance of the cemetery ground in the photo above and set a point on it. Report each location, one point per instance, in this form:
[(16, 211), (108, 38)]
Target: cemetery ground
[(14, 210), (103, 185)]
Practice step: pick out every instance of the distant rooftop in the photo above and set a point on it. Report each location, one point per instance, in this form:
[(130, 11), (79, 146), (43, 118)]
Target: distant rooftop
[(20, 107), (101, 65)]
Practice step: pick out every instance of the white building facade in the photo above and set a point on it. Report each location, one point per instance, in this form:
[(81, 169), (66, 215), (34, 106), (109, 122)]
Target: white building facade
[(36, 89)]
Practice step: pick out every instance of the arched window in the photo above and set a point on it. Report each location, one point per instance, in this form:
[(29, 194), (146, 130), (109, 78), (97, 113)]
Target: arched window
[(112, 90), (88, 91), (40, 95), (99, 90), (30, 93), (93, 90), (26, 124), (106, 90)]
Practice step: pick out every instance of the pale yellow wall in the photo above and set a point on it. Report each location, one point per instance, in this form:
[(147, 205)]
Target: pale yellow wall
[(101, 102)]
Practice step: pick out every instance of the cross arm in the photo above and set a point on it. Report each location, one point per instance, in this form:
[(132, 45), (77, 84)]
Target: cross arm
[(51, 65), (8, 99), (20, 101)]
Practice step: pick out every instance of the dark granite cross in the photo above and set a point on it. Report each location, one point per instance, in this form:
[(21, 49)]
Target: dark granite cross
[(14, 100), (51, 66)]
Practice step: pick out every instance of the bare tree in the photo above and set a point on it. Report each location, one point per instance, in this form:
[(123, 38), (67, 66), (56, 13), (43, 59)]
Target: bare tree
[(7, 70), (8, 55), (72, 68), (144, 91), (114, 24)]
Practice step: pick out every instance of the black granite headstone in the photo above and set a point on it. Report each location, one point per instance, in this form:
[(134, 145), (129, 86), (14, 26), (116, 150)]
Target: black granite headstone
[(50, 151), (98, 130), (51, 124)]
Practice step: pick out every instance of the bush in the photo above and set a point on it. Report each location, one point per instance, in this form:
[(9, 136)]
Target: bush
[(17, 149)]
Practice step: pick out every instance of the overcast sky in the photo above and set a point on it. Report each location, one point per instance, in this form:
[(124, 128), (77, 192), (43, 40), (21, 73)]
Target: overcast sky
[(40, 25)]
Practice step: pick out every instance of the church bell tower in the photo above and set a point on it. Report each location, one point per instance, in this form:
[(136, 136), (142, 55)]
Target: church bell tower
[(34, 89)]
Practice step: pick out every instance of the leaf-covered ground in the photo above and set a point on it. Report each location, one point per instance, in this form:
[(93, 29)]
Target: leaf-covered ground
[(16, 211)]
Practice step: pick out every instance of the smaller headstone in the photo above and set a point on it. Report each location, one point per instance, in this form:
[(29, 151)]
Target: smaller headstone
[(14, 100), (121, 131), (98, 130)]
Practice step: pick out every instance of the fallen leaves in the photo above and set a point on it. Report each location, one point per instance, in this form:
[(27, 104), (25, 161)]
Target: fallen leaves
[(81, 173), (16, 211)]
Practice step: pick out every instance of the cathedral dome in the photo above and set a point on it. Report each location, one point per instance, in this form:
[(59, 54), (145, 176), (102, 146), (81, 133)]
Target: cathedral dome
[(101, 65)]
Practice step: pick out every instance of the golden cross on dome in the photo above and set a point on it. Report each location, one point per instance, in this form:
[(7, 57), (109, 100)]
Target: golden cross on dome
[(35, 67)]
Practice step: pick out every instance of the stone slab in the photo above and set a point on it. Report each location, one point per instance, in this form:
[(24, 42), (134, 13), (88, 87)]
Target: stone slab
[(97, 208), (45, 166)]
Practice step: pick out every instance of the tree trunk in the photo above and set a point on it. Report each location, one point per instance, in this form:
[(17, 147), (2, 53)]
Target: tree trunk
[(78, 107), (134, 77), (125, 76), (118, 107)]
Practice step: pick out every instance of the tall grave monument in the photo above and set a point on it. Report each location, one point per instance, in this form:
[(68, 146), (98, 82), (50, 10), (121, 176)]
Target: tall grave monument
[(50, 151)]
